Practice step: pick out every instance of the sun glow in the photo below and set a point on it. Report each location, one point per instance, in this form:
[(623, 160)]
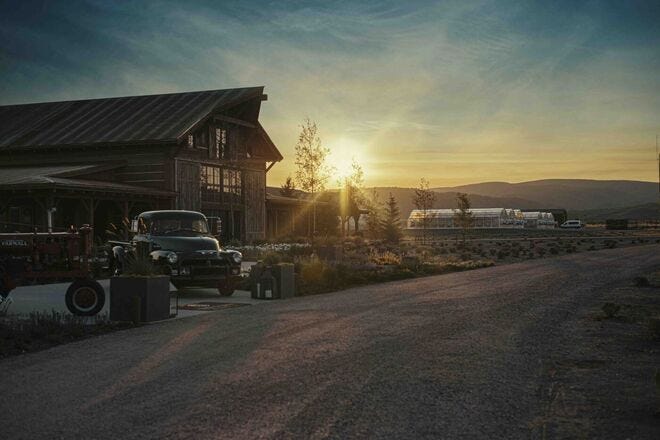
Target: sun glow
[(343, 152)]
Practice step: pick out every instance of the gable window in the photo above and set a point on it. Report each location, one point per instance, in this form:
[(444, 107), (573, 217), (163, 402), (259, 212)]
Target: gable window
[(220, 148), (191, 141)]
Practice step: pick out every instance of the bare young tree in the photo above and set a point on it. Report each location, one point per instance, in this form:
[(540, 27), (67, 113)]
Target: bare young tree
[(463, 216), (312, 171), (353, 199), (423, 200)]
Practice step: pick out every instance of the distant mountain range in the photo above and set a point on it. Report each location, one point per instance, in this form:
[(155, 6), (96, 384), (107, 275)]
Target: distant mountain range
[(586, 199), (570, 194), (647, 211)]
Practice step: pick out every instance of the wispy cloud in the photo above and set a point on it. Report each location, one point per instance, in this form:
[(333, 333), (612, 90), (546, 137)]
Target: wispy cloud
[(538, 81)]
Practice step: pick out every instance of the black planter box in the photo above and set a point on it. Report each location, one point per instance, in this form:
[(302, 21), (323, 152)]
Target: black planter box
[(153, 292)]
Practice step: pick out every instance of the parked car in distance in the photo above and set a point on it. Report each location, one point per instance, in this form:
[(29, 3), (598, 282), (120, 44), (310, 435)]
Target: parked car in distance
[(572, 224)]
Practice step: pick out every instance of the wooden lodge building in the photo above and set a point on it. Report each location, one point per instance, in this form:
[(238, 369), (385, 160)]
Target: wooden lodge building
[(98, 161)]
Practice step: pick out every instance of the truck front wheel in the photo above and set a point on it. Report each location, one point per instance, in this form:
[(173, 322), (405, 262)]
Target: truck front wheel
[(225, 288), (85, 298)]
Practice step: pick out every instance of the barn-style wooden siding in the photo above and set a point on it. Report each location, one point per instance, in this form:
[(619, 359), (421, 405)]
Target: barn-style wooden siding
[(159, 143)]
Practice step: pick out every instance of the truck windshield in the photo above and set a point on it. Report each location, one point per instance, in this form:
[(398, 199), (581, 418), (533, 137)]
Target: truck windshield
[(178, 226)]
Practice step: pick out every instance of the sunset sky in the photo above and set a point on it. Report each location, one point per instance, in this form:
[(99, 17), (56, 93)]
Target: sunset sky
[(458, 92)]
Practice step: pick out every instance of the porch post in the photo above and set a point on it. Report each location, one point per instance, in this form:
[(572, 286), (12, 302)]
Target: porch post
[(125, 214)]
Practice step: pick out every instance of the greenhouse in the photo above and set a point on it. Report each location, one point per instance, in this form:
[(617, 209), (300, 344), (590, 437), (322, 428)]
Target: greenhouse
[(539, 220), (481, 218)]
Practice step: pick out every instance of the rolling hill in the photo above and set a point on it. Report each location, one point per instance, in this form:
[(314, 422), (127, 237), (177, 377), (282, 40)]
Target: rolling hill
[(648, 211), (592, 200), (568, 193)]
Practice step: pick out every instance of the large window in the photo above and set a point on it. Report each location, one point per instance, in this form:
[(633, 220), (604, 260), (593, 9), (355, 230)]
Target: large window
[(211, 184), (231, 182), (214, 181)]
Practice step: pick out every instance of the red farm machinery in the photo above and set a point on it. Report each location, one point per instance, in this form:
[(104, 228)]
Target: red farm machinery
[(28, 258)]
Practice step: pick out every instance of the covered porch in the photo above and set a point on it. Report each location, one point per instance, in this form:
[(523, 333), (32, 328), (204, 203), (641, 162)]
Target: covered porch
[(38, 201)]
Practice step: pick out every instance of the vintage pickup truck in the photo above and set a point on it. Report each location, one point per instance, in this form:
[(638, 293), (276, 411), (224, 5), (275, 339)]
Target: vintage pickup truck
[(183, 246)]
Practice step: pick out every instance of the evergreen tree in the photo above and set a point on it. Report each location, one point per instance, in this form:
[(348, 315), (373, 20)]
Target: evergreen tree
[(289, 188), (392, 224)]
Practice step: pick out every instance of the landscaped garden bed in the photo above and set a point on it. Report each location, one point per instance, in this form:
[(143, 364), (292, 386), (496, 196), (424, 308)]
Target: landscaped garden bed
[(332, 264), (41, 330)]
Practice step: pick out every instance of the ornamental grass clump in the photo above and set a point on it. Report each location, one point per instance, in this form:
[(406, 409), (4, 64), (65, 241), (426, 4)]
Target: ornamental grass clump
[(140, 266)]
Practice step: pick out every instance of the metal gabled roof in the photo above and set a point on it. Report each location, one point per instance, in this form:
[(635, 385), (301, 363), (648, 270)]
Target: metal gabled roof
[(41, 174), (68, 177), (130, 119)]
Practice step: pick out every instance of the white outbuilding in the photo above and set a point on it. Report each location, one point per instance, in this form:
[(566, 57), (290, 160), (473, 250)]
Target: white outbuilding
[(483, 218), (539, 220)]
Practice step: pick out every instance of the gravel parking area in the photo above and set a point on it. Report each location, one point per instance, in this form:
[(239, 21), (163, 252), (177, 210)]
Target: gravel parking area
[(510, 351)]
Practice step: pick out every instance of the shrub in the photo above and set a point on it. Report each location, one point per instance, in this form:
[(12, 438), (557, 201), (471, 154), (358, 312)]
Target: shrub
[(41, 330), (554, 250), (312, 272), (270, 258), (385, 258)]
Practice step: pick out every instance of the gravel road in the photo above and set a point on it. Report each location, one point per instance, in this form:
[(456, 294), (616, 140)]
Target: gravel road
[(461, 355)]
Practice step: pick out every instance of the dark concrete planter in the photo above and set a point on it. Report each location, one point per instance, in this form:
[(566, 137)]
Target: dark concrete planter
[(153, 294), (284, 276)]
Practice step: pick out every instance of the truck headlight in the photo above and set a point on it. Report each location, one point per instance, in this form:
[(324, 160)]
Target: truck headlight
[(172, 258), (237, 257)]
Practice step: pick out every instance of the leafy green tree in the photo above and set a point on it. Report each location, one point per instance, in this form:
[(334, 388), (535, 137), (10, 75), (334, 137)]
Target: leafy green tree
[(392, 231)]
